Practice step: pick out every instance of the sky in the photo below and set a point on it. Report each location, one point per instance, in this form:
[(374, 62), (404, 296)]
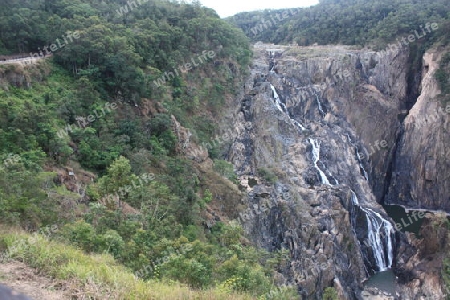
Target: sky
[(226, 8)]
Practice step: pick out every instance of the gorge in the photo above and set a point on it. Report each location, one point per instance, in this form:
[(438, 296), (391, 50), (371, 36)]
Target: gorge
[(276, 154), (306, 122)]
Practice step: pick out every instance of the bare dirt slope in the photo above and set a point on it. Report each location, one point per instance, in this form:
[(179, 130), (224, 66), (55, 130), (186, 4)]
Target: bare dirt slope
[(25, 280)]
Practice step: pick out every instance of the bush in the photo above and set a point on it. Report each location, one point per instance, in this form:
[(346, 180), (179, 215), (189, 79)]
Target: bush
[(80, 234), (242, 276), (83, 271), (330, 294), (267, 175), (225, 169), (110, 242)]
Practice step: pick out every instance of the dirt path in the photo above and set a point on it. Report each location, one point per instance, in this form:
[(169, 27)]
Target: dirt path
[(25, 61), (24, 279)]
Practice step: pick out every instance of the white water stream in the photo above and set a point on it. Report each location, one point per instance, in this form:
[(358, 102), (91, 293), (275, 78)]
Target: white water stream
[(379, 230)]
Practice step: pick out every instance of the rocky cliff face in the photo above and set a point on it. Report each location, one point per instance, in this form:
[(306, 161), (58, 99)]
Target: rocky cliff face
[(419, 264), (324, 121), (420, 176)]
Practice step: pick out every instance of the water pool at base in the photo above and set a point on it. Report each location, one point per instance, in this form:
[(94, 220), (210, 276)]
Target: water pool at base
[(384, 281)]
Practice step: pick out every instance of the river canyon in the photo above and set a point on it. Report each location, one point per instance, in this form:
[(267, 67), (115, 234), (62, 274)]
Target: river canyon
[(345, 131)]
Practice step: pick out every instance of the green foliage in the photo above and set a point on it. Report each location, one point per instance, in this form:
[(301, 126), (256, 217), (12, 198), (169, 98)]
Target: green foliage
[(163, 140), (91, 275), (350, 22), (23, 195), (446, 273), (225, 169), (330, 294), (114, 50), (188, 270), (118, 176), (117, 59), (242, 277), (85, 237), (443, 74), (207, 198), (267, 175), (80, 234), (110, 242), (282, 293), (231, 234)]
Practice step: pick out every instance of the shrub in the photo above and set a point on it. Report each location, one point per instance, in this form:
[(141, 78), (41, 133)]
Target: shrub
[(110, 242), (225, 169), (330, 294), (267, 175), (81, 234)]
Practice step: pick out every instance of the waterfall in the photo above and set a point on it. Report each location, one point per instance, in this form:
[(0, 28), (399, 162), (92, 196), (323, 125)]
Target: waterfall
[(319, 104), (332, 177), (379, 230), (316, 157), (361, 166), (280, 105), (358, 157), (298, 125), (379, 235)]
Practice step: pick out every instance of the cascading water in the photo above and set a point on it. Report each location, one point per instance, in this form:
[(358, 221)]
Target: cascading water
[(282, 107), (298, 125), (379, 235), (361, 166), (319, 104), (316, 157), (358, 157), (379, 230)]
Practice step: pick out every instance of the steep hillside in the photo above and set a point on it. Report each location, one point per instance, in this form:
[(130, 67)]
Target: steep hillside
[(349, 22), (101, 137), (150, 152)]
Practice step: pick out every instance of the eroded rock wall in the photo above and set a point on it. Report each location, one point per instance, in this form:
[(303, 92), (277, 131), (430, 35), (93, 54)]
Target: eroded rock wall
[(314, 126), (334, 98), (421, 170)]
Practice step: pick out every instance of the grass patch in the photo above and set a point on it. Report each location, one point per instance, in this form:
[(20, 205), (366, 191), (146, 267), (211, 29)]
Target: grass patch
[(98, 276)]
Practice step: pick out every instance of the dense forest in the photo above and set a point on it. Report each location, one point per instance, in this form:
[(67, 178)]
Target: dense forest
[(348, 22), (140, 200)]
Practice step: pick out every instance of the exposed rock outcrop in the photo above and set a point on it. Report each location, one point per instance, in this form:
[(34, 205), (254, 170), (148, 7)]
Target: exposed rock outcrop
[(324, 122), (420, 177), (299, 117), (419, 270)]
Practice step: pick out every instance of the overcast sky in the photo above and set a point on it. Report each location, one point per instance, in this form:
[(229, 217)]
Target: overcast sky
[(226, 8)]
